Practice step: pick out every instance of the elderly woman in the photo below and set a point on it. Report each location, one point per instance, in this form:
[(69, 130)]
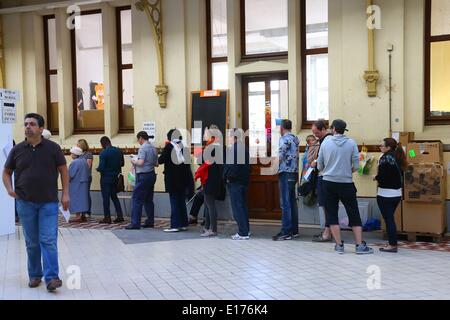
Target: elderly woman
[(87, 155), (79, 185)]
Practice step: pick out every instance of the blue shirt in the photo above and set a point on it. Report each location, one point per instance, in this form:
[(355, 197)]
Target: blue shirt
[(288, 153), (111, 161)]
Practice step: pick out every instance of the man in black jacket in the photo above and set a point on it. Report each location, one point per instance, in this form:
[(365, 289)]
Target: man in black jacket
[(236, 174)]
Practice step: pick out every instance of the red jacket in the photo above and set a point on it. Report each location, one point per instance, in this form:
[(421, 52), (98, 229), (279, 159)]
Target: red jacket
[(202, 173)]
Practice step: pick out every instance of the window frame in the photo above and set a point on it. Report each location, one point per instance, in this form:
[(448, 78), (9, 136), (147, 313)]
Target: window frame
[(306, 124), (210, 59), (48, 73), (74, 79), (431, 120), (120, 68), (259, 56)]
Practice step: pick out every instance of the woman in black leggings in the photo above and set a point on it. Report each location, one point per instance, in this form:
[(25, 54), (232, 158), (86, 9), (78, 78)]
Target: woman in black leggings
[(390, 182)]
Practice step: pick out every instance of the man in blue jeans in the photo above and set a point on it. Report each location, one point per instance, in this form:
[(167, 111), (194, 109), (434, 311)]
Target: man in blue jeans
[(287, 179), (145, 163), (236, 174), (36, 164), (111, 163)]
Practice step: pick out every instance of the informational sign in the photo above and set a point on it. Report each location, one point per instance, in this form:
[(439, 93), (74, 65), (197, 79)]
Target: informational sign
[(150, 128), (8, 102), (7, 221)]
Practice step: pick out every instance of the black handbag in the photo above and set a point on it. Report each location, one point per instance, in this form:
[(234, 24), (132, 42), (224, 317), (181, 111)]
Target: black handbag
[(120, 183)]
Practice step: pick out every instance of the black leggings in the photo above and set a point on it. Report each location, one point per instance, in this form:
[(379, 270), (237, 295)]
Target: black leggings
[(388, 206)]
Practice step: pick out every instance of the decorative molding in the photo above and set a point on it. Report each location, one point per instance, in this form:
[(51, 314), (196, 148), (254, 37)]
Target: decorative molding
[(371, 75), (153, 10)]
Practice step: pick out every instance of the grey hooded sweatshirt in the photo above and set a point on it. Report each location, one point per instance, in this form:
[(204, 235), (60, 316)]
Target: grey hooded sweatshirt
[(338, 157)]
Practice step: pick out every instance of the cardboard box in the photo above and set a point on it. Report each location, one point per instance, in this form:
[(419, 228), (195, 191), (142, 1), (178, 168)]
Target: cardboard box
[(425, 183), (403, 137), (425, 152), (398, 219), (424, 217)]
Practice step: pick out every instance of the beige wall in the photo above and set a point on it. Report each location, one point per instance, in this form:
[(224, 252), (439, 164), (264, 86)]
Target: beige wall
[(185, 64)]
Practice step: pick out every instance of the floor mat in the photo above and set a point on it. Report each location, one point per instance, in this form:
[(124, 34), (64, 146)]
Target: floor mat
[(444, 246)]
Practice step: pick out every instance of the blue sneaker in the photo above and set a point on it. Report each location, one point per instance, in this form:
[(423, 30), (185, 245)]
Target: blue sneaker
[(363, 249), (339, 248)]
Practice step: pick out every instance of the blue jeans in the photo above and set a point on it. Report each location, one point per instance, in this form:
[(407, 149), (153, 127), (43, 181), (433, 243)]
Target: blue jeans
[(143, 197), (40, 228), (238, 199), (178, 216), (288, 201), (108, 186)]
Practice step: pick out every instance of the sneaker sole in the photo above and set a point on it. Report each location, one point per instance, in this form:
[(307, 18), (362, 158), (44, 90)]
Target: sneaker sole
[(363, 253)]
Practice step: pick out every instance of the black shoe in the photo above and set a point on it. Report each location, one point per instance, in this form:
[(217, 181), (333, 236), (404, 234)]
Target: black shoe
[(106, 220), (131, 227), (119, 220), (193, 221), (147, 226), (203, 223), (282, 237)]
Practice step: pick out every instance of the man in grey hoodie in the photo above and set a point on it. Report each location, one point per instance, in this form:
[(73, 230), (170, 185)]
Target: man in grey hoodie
[(338, 160)]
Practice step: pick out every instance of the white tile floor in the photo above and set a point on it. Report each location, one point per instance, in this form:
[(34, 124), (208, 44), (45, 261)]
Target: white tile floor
[(223, 269)]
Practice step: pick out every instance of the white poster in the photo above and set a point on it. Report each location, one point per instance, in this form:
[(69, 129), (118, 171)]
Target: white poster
[(7, 216), (8, 101), (150, 128)]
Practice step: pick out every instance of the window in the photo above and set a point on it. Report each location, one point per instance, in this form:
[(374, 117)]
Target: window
[(314, 14), (265, 100), (217, 44), (264, 28), (51, 73), (437, 62), (125, 69), (87, 73)]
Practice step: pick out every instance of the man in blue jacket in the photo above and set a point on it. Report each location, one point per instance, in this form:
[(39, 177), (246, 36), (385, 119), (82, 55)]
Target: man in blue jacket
[(236, 174), (287, 179)]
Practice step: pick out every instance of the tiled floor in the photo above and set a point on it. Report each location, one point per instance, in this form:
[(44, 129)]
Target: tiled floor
[(223, 269)]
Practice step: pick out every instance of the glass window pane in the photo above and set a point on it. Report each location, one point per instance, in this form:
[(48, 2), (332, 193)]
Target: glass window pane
[(53, 116), (53, 62), (316, 24), (279, 105), (89, 67), (440, 78), (127, 96), (53, 88), (219, 28), (266, 26), (317, 87), (220, 76), (256, 118), (126, 36), (440, 17)]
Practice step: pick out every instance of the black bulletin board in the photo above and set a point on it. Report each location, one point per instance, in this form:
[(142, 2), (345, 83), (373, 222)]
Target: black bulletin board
[(210, 110)]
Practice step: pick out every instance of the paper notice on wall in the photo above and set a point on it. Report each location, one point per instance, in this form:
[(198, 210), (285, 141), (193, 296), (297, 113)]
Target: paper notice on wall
[(396, 136), (150, 128), (8, 102), (196, 135)]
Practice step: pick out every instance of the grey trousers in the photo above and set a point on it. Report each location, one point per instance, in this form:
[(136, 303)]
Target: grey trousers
[(210, 213)]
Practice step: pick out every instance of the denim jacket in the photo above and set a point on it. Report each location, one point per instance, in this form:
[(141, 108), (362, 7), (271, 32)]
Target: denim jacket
[(288, 153)]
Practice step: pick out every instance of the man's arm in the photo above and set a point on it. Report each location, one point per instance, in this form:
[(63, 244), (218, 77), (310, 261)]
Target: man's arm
[(65, 200), (7, 181), (102, 164), (355, 158), (320, 162)]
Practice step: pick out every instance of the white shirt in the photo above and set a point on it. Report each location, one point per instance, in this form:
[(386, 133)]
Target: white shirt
[(389, 193)]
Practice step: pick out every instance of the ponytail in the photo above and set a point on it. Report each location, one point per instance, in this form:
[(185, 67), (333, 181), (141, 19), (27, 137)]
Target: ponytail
[(399, 153)]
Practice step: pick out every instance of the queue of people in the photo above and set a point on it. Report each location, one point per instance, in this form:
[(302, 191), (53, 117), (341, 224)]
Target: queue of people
[(38, 162)]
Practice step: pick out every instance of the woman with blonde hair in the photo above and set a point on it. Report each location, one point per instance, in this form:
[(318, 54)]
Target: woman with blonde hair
[(87, 155)]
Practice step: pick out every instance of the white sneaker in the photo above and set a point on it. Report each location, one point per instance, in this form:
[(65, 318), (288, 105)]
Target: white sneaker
[(238, 237), (208, 233), (172, 230), (183, 229)]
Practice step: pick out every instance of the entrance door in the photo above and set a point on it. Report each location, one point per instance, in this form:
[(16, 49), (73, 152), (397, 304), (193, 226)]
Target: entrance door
[(265, 103)]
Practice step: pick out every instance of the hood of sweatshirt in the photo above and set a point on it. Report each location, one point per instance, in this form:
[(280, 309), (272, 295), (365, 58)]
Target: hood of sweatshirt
[(339, 140)]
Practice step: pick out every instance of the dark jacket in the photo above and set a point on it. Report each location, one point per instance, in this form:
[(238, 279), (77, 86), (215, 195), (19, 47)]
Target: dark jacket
[(176, 176), (234, 170), (389, 172), (215, 185), (111, 162)]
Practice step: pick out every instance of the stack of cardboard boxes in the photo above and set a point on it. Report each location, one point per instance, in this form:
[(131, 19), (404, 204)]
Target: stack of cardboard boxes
[(425, 190)]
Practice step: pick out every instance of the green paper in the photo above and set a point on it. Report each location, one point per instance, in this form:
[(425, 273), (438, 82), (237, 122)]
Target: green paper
[(412, 153)]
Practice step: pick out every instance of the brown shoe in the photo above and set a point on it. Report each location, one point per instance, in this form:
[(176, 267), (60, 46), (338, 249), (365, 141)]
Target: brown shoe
[(34, 283), (54, 284), (119, 220), (106, 220), (83, 218)]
